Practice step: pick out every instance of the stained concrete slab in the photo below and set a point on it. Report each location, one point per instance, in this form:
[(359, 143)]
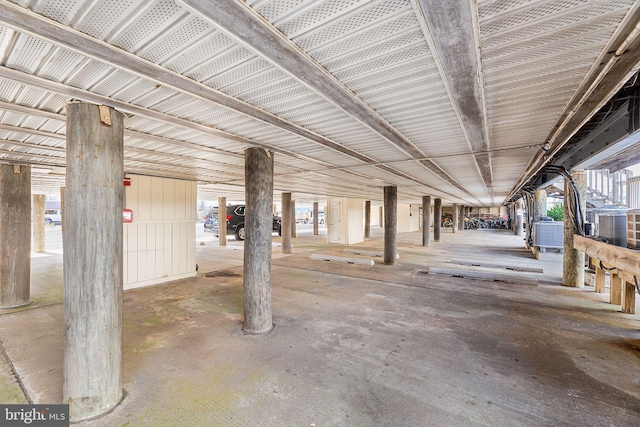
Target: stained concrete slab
[(355, 345)]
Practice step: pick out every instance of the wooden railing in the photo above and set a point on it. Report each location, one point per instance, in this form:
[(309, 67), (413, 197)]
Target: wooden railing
[(623, 264)]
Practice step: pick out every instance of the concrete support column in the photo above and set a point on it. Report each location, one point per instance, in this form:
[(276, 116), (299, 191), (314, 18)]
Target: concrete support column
[(38, 222), (426, 220), (93, 267), (367, 219), (437, 219), (455, 219), (258, 222), (285, 226), (390, 224), (573, 260), (519, 217), (222, 221), (315, 218), (461, 219), (540, 204), (293, 219), (15, 235)]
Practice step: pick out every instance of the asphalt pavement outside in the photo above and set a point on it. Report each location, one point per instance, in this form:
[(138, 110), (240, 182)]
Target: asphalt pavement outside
[(353, 345)]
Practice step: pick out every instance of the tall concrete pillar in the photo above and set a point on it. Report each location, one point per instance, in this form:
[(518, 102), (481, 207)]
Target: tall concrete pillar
[(285, 227), (437, 219), (315, 218), (38, 222), (15, 235), (293, 219), (390, 224), (456, 216), (258, 222), (93, 267), (222, 221), (573, 260), (461, 217), (426, 220), (519, 217), (540, 204), (367, 219)]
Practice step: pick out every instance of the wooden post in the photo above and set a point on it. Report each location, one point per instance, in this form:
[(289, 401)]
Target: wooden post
[(390, 224), (315, 218), (15, 235), (367, 219), (38, 222), (461, 218), (258, 222), (93, 267), (293, 219), (222, 221), (285, 227), (615, 289), (426, 220), (628, 300), (454, 219), (600, 276), (573, 259), (540, 204), (519, 217), (381, 216), (437, 219), (62, 210)]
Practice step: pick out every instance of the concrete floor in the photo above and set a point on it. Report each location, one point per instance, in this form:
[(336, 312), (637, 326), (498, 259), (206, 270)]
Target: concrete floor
[(353, 345)]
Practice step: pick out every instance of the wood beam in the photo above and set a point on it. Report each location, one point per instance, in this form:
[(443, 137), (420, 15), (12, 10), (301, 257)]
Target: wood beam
[(451, 31), (243, 23), (84, 95)]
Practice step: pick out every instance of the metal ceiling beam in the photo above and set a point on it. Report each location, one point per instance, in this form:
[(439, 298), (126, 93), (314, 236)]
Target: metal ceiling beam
[(451, 31), (244, 24)]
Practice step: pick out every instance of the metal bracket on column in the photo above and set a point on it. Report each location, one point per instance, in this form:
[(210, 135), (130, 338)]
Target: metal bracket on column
[(16, 169)]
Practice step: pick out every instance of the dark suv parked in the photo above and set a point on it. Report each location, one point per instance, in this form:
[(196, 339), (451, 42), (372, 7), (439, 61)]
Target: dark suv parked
[(235, 221)]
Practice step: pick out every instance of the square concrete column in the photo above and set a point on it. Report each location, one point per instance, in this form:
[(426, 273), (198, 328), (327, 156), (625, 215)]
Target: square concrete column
[(461, 218), (38, 222), (437, 219), (258, 223), (285, 226), (93, 266), (367, 219), (222, 221), (426, 220), (15, 235), (390, 224), (573, 260)]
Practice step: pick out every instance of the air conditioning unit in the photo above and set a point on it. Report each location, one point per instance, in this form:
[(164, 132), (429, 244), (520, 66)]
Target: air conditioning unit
[(548, 234)]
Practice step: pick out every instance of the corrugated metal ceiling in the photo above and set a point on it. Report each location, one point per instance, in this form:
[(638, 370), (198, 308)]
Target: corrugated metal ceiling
[(351, 95)]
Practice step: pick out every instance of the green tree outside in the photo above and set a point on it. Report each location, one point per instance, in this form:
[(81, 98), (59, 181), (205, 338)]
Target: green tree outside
[(557, 213)]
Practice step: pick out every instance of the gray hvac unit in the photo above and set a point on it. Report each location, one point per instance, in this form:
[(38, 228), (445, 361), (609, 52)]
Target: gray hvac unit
[(548, 234), (613, 228)]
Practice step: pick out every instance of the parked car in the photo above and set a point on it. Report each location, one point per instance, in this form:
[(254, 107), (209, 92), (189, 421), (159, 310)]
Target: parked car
[(235, 222), (310, 220), (52, 216)]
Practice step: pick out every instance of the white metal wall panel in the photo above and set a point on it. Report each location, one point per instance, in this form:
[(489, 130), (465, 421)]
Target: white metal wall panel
[(159, 244), (633, 192)]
